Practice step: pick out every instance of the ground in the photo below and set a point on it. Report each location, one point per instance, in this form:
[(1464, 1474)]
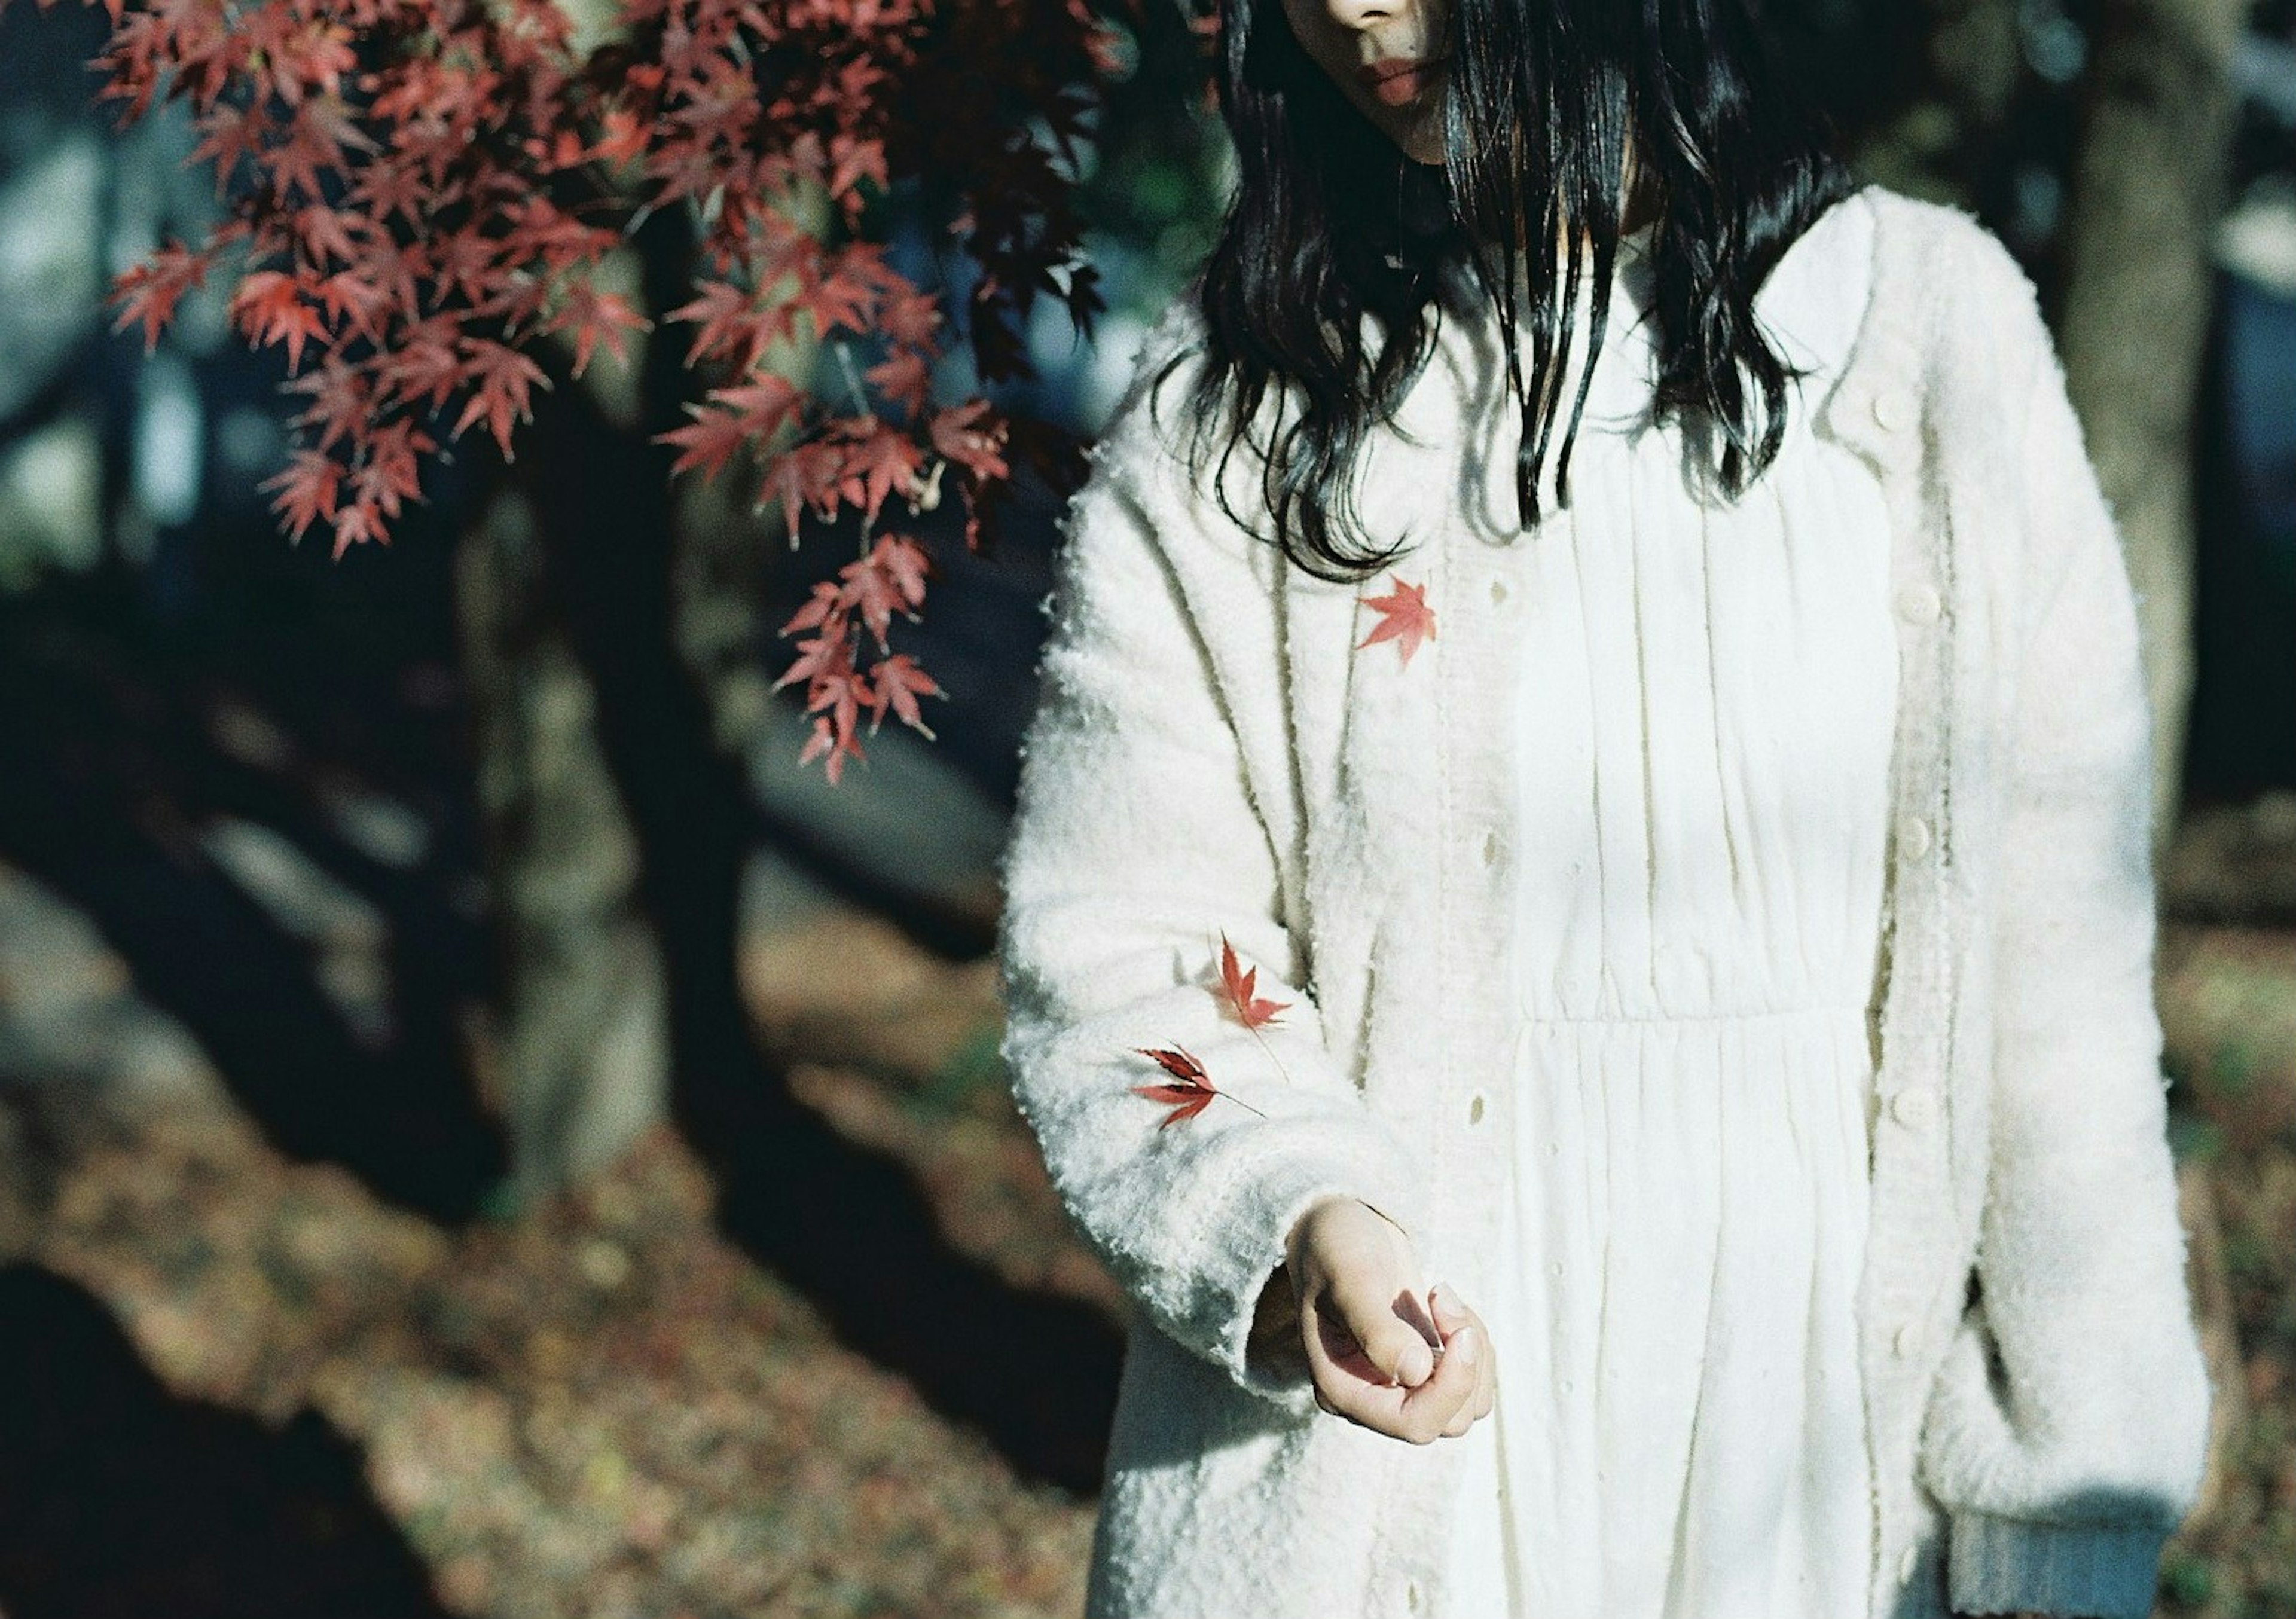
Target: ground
[(241, 1385)]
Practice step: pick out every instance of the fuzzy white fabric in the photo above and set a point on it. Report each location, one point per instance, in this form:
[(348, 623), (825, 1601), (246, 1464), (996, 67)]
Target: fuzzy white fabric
[(1213, 753)]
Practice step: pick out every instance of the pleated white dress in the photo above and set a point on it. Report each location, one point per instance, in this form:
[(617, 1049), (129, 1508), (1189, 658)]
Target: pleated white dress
[(1706, 716)]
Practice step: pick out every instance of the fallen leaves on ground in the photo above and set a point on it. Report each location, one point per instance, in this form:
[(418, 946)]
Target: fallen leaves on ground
[(603, 1408)]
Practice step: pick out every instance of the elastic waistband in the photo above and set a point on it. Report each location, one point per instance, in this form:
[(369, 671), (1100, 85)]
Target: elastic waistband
[(1848, 1015)]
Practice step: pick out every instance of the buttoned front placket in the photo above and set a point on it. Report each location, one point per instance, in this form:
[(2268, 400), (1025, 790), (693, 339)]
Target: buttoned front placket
[(1876, 411), (1463, 724)]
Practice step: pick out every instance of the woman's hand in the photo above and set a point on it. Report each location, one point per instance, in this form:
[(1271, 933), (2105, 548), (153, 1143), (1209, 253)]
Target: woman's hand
[(1378, 1359)]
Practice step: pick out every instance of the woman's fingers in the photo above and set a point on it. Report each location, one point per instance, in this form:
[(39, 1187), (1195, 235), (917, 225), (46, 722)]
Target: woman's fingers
[(1454, 1319), (1431, 1409), (1376, 1327), (1344, 1369), (1350, 1383), (1377, 1355)]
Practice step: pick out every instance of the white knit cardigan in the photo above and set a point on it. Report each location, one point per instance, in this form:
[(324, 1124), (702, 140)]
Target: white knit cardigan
[(1215, 754)]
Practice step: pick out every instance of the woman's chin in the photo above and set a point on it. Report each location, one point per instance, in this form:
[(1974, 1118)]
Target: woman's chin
[(1418, 132)]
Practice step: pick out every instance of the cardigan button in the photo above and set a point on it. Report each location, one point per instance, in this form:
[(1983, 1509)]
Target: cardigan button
[(1411, 1595), (1919, 604), (1891, 411), (1490, 848), (1914, 1107), (1905, 1566), (1498, 592), (1475, 1108), (1902, 1341), (1913, 836)]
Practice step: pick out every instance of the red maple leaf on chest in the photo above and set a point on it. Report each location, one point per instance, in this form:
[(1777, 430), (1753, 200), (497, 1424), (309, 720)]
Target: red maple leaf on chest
[(1239, 988), (1404, 618)]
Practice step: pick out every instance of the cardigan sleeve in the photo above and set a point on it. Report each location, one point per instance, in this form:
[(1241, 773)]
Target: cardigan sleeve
[(2067, 1431), (1134, 845)]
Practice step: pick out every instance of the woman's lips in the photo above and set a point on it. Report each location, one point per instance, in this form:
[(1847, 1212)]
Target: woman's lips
[(1398, 80)]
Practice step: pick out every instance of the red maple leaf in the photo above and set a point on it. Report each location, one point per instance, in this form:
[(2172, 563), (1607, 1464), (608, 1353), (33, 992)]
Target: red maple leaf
[(827, 598), (1189, 1090), (501, 377), (882, 459), (1404, 618), (342, 400), (709, 441), (902, 378), (805, 475), (746, 416), (389, 474), (325, 232), (150, 291), (357, 523), (826, 656), (839, 299), (728, 317), (384, 188), (856, 160), (898, 682), (355, 302), (596, 315), (1237, 988), (826, 741), (890, 579), (269, 309), (424, 362), (306, 489), (909, 318), (958, 433), (233, 133)]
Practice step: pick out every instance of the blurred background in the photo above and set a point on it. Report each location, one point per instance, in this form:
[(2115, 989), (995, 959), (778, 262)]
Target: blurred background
[(484, 1132)]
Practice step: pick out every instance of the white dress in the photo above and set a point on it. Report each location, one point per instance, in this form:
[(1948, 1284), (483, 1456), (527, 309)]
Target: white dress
[(1706, 717)]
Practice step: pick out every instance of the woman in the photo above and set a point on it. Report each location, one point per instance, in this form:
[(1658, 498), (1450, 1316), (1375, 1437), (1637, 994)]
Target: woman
[(1696, 912)]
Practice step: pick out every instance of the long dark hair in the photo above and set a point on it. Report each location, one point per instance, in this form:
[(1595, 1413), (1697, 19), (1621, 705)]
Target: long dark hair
[(1331, 223)]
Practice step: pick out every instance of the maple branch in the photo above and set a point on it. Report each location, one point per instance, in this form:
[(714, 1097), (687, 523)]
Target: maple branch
[(416, 184)]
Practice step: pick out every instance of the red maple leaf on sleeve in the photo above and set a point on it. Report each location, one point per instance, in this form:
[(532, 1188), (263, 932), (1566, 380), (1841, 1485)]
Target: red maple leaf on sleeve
[(1189, 1090), (1237, 988), (1404, 618)]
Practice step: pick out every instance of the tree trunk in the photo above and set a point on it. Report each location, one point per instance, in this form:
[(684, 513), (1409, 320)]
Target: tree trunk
[(612, 628), (579, 1049), (2147, 188)]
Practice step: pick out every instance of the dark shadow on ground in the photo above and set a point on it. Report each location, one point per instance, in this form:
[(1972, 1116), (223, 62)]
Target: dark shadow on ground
[(1035, 1372), (110, 777), (120, 1501)]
